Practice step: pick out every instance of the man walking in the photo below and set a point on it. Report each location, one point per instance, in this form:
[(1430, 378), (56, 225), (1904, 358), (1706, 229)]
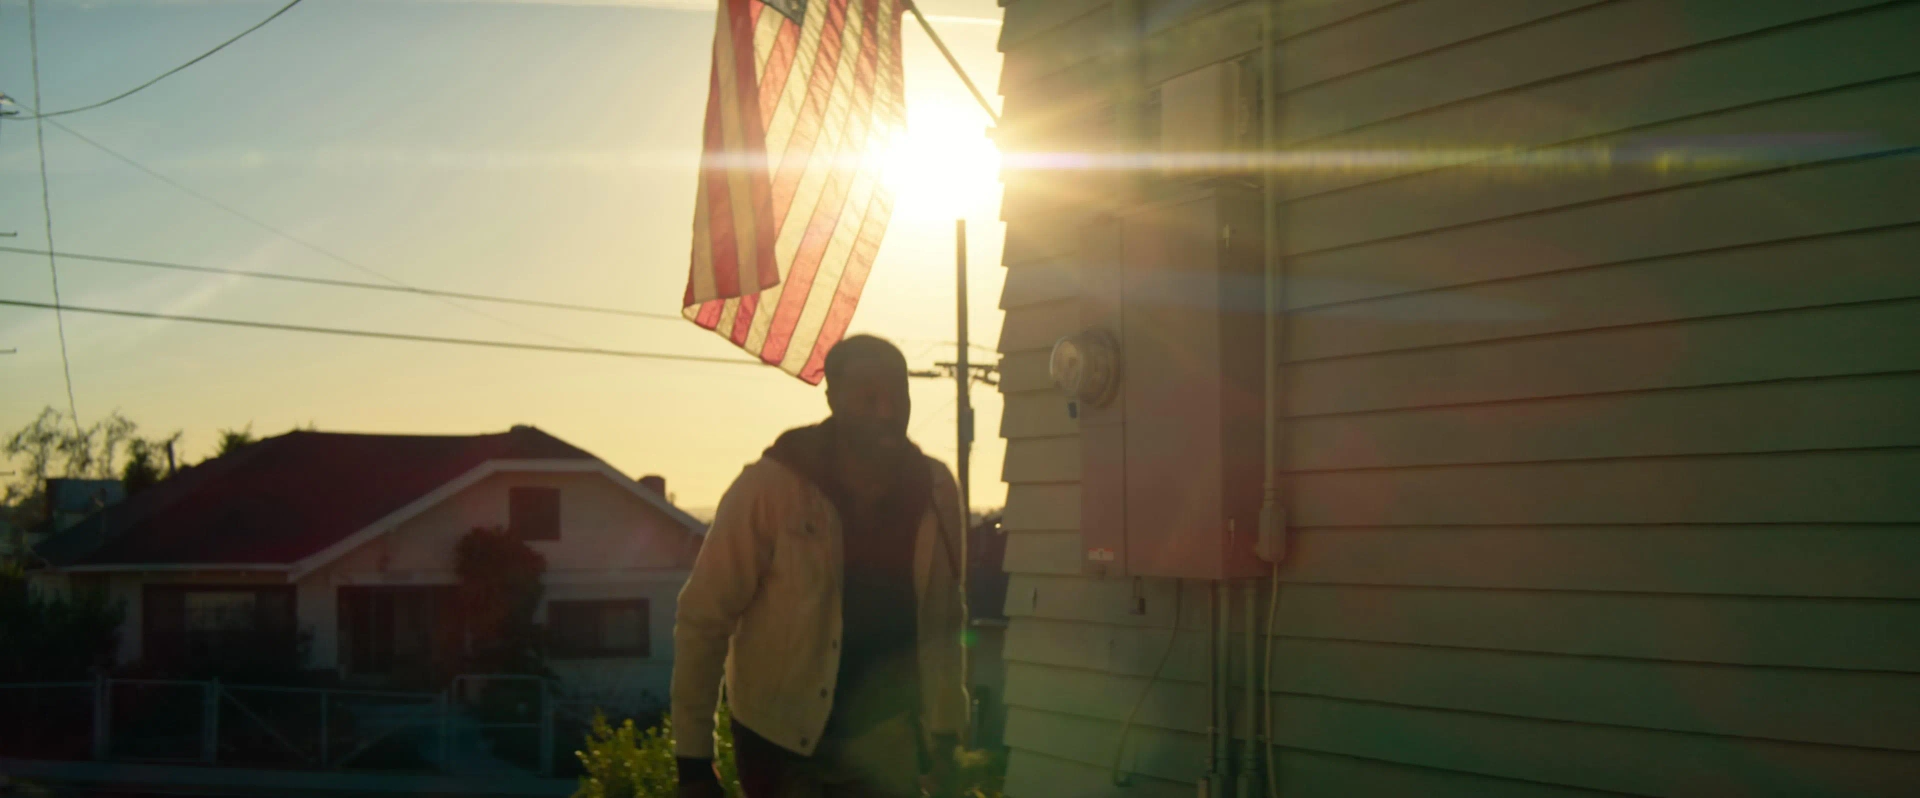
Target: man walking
[(828, 596)]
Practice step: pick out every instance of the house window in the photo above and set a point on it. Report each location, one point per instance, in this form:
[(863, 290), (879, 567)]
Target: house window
[(193, 628), (584, 629), (210, 613), (534, 513)]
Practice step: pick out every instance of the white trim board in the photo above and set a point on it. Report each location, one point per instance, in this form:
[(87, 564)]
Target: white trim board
[(394, 519)]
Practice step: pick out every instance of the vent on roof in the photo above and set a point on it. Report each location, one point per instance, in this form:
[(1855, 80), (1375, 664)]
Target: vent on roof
[(655, 483)]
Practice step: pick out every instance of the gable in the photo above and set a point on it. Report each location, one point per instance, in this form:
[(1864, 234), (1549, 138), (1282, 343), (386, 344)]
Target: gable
[(603, 525)]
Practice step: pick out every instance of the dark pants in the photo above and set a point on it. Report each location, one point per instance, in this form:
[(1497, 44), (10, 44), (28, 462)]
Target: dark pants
[(881, 763)]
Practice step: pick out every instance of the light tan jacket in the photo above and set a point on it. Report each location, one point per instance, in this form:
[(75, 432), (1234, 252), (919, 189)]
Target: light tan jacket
[(763, 607)]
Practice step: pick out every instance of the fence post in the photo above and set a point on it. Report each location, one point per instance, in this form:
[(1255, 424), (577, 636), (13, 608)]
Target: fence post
[(210, 721), (323, 729), (546, 729), (446, 744), (102, 716)]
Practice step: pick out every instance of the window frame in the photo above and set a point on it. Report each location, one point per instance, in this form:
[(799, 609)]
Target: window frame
[(560, 647)]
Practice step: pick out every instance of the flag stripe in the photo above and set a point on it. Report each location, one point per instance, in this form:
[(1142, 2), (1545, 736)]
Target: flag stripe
[(792, 204), (828, 213)]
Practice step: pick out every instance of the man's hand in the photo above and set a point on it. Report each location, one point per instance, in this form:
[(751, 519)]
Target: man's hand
[(700, 778)]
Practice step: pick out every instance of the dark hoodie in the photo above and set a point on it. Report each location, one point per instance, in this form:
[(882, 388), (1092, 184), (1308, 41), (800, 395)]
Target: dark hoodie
[(879, 672)]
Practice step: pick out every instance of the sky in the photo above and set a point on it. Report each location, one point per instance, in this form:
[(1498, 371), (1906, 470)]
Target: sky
[(544, 149)]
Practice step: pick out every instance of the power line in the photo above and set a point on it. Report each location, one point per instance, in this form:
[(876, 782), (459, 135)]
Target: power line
[(46, 208), (402, 289), (310, 246), (431, 339), (164, 75)]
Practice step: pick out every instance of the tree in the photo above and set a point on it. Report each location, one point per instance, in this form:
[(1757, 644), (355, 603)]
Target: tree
[(499, 592), (52, 445), (144, 458), (233, 440), (53, 637)]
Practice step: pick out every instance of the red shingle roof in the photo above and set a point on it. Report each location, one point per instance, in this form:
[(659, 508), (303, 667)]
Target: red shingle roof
[(284, 498)]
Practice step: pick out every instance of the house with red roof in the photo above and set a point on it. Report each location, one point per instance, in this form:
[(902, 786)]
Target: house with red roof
[(341, 547)]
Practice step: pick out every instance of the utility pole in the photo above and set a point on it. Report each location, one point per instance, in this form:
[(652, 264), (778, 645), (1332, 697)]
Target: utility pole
[(963, 373)]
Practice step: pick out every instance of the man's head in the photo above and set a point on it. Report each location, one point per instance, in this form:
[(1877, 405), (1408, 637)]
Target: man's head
[(867, 390)]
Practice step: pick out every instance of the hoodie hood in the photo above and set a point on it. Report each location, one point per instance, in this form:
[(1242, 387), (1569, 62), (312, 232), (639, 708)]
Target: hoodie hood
[(808, 452)]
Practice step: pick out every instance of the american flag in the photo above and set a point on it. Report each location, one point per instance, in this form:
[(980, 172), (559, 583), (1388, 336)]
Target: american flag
[(791, 203)]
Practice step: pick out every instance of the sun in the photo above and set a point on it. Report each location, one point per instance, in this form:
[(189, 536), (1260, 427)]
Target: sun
[(943, 166)]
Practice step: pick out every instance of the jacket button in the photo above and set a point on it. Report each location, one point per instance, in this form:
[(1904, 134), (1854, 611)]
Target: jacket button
[(803, 741), (823, 692)]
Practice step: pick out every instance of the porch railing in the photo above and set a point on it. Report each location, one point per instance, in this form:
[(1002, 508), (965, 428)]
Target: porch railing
[(213, 723)]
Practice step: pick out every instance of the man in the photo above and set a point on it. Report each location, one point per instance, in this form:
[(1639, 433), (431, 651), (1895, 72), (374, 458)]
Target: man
[(828, 595)]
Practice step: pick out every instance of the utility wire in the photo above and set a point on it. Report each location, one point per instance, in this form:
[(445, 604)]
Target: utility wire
[(164, 75), (310, 246), (46, 208), (402, 289), (432, 339)]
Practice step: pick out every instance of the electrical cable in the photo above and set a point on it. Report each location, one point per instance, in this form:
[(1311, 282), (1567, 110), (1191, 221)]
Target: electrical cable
[(432, 339), (164, 75), (1273, 611), (309, 246), (1120, 747), (46, 207), (403, 289)]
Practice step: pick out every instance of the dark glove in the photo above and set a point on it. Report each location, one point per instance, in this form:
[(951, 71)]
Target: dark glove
[(698, 780)]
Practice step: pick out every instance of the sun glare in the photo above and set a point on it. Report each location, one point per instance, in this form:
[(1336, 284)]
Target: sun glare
[(943, 166)]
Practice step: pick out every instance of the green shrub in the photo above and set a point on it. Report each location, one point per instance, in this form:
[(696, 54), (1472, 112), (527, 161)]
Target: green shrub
[(625, 762)]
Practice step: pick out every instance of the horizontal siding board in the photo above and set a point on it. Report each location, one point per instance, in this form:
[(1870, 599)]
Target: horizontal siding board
[(1157, 753), (1043, 553), (1042, 508), (1041, 235), (1300, 17), (1104, 601), (1404, 31), (1043, 460), (1873, 710), (1025, 20), (1807, 201), (1040, 282), (1037, 327), (1861, 486), (1063, 46), (1867, 710), (1840, 634), (1301, 773), (1704, 80), (1825, 270), (1596, 757), (1836, 561), (1877, 118), (1593, 757), (1800, 344), (1032, 773), (1037, 414), (1198, 41), (1023, 372), (1117, 650), (1841, 413), (1593, 38)]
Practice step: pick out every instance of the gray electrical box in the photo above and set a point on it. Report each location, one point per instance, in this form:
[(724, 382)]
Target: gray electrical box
[(1171, 468)]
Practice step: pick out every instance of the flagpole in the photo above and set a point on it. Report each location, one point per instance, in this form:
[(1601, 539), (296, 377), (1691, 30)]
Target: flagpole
[(954, 62)]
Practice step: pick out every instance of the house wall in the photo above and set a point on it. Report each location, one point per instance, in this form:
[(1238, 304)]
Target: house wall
[(129, 590), (1601, 478), (612, 545)]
